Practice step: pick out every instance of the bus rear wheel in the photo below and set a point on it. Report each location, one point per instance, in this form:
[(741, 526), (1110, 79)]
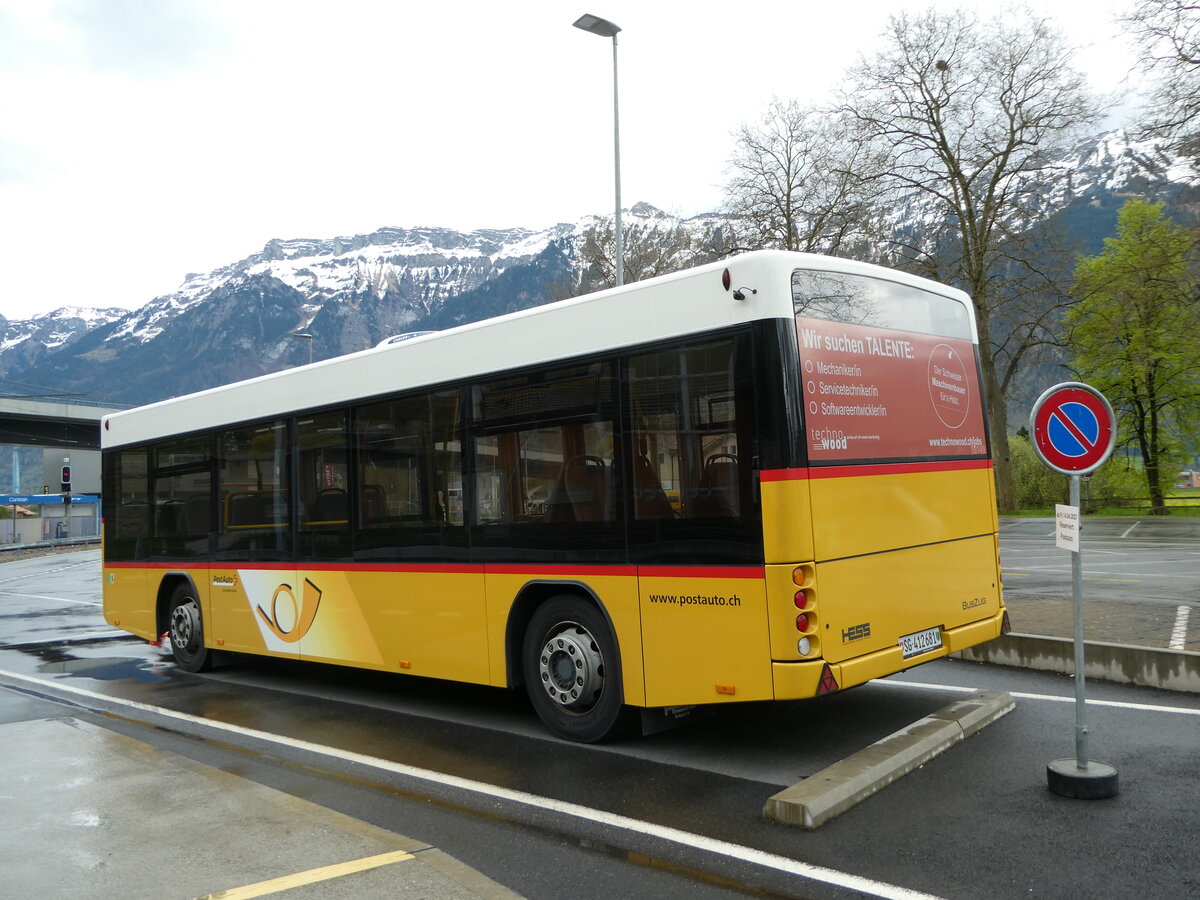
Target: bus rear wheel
[(573, 672), (185, 628)]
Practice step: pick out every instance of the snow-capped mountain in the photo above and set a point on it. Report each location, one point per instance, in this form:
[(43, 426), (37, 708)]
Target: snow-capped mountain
[(1119, 163), (351, 292), (426, 264), (25, 342), (348, 292)]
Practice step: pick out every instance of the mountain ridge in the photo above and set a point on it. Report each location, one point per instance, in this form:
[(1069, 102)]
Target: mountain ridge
[(351, 291)]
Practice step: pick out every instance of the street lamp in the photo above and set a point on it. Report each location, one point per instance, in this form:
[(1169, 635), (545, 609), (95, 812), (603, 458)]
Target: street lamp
[(305, 336), (605, 28)]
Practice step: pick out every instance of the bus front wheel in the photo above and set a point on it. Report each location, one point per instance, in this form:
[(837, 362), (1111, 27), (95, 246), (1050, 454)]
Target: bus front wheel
[(185, 629), (573, 672)]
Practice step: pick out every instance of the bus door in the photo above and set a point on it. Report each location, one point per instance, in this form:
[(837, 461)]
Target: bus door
[(330, 620), (409, 603), (253, 584)]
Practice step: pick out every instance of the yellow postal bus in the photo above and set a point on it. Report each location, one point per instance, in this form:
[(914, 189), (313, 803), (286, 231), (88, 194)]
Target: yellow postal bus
[(767, 478)]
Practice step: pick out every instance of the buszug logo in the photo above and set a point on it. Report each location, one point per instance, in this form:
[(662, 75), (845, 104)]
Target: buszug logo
[(303, 613)]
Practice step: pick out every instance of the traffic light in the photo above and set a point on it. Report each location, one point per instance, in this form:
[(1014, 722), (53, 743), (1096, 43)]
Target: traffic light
[(66, 478)]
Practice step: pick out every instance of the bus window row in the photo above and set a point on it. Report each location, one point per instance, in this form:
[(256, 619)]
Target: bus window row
[(626, 450)]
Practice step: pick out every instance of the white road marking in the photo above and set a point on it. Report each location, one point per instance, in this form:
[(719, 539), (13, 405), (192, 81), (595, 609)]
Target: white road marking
[(1179, 634), (39, 573), (71, 600), (600, 817), (1125, 534), (1052, 698)]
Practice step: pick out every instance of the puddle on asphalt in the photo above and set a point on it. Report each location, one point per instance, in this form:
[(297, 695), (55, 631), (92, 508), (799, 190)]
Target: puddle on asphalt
[(60, 661)]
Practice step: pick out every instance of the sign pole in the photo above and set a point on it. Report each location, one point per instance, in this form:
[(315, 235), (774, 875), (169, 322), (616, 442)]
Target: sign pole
[(1081, 729), (1073, 431)]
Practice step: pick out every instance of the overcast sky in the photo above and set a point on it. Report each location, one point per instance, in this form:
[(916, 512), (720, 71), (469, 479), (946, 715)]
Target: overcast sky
[(141, 140)]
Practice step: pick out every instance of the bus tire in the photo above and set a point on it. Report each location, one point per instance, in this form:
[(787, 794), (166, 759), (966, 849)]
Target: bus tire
[(185, 629), (573, 670)]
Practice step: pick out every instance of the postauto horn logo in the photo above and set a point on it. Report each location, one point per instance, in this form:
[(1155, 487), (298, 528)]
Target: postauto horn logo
[(297, 619)]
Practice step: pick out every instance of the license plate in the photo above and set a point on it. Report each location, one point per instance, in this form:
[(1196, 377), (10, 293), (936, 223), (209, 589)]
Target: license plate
[(921, 642)]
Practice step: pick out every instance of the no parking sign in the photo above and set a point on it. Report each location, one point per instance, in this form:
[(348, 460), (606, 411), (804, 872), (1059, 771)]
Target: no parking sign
[(1073, 428), (1074, 431)]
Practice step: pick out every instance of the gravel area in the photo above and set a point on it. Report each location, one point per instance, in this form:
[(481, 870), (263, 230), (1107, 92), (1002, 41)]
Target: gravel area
[(29, 551)]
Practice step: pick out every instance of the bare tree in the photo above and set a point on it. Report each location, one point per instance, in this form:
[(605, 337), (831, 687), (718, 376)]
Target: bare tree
[(798, 182), (1168, 33), (650, 249), (969, 115)]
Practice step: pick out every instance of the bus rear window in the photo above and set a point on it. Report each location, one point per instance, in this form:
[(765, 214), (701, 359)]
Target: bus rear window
[(889, 371)]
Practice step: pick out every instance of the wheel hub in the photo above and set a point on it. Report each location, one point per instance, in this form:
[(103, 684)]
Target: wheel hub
[(185, 624), (571, 668)]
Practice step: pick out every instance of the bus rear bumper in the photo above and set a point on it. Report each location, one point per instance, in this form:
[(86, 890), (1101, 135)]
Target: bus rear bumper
[(798, 680)]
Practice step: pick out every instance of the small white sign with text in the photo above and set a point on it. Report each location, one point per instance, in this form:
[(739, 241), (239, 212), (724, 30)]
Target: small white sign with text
[(1066, 527)]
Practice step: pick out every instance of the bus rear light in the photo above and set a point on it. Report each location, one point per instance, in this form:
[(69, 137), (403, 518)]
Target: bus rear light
[(803, 575), (802, 622), (828, 684), (804, 646), (801, 600)]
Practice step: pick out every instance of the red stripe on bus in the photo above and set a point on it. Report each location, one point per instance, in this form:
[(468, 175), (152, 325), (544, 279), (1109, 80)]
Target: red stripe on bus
[(532, 571), (804, 474), (411, 568), (783, 475), (433, 568)]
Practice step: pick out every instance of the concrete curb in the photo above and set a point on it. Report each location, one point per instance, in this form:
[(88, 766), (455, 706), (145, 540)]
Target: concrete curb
[(832, 791), (1171, 670)]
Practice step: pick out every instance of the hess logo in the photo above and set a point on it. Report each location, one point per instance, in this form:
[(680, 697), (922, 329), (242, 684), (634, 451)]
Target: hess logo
[(297, 615)]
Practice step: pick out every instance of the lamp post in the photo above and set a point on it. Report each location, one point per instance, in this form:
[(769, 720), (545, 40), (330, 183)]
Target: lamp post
[(605, 28), (305, 336)]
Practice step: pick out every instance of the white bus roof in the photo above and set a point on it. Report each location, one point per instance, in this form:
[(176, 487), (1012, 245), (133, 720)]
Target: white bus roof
[(675, 305)]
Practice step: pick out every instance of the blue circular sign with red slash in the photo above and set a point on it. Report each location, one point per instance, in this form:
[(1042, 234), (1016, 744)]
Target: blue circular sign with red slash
[(1073, 428)]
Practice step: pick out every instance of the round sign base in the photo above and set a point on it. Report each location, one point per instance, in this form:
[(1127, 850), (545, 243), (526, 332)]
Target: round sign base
[(1095, 781)]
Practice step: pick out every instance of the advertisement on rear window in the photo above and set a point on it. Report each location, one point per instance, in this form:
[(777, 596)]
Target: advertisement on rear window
[(875, 393)]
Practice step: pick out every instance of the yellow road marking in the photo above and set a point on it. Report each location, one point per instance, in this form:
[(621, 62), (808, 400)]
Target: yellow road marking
[(312, 876)]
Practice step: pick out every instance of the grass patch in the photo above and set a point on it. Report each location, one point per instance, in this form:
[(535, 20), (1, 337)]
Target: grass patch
[(1177, 510)]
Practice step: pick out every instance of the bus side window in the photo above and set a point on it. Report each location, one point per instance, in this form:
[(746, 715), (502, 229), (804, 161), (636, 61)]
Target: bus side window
[(253, 469), (183, 497), (545, 447), (323, 486), (687, 419), (408, 469), (126, 503)]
